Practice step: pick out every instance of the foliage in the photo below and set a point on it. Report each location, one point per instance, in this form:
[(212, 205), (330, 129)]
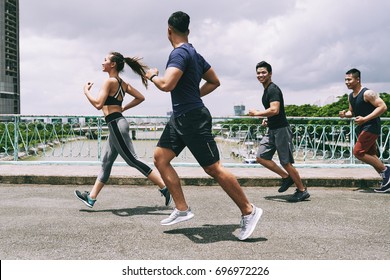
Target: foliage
[(307, 110), (329, 110)]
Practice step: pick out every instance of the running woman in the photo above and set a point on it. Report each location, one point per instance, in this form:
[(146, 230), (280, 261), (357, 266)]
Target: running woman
[(109, 100)]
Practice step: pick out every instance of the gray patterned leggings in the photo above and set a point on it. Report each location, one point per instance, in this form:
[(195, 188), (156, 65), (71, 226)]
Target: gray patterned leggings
[(119, 142)]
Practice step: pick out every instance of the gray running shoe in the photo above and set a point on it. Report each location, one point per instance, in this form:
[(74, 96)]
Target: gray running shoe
[(168, 198), (84, 197), (299, 196), (286, 183), (249, 222), (177, 216)]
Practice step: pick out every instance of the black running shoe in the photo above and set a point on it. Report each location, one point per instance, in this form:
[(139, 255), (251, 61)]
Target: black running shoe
[(299, 196), (383, 189), (286, 183), (168, 198), (386, 177)]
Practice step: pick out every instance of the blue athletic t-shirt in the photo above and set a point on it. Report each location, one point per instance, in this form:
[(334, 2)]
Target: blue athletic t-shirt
[(186, 95)]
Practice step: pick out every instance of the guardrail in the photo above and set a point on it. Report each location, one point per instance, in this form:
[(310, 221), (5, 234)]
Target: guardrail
[(49, 139)]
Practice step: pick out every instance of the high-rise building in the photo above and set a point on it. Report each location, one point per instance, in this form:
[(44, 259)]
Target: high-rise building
[(9, 57), (239, 110)]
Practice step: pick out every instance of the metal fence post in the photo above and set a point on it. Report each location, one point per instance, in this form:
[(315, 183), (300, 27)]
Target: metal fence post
[(16, 137), (99, 136), (352, 142)]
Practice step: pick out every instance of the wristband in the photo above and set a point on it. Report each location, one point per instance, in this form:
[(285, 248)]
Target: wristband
[(154, 75)]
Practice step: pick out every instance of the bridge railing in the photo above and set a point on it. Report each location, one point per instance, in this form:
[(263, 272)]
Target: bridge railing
[(49, 139)]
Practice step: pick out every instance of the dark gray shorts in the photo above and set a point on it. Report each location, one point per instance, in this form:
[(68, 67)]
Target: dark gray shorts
[(279, 140), (192, 130)]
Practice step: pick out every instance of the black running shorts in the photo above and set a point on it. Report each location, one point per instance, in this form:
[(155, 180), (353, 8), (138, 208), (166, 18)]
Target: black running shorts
[(193, 130)]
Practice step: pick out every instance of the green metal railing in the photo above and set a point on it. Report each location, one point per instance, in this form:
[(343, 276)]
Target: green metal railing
[(31, 139)]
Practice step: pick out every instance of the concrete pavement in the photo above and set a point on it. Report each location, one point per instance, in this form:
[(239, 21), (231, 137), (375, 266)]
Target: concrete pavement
[(40, 217), (42, 222)]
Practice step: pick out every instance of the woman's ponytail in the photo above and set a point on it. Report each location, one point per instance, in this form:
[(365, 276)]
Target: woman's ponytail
[(138, 68), (135, 64)]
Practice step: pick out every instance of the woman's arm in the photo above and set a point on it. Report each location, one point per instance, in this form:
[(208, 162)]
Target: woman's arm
[(138, 98), (98, 102)]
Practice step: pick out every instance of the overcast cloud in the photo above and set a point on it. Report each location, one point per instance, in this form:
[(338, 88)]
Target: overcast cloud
[(309, 43)]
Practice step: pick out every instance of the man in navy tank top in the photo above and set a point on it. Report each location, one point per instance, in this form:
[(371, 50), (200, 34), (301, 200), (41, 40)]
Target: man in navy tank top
[(367, 107)]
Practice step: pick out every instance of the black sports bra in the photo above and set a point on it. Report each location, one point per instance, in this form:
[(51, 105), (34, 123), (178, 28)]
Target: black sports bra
[(113, 100)]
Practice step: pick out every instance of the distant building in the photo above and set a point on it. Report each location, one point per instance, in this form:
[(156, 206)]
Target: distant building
[(9, 57), (239, 110)]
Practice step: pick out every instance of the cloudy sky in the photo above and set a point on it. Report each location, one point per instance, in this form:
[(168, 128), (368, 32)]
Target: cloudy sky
[(309, 43)]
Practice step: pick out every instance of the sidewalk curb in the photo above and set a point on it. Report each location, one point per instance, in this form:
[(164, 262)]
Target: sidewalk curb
[(188, 181)]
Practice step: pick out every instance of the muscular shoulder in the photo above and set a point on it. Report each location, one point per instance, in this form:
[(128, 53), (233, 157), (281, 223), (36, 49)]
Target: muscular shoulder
[(178, 58), (273, 89), (179, 52), (370, 95)]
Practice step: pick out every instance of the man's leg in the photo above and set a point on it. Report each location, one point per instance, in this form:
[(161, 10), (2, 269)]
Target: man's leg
[(230, 185), (267, 149), (181, 213), (294, 174), (301, 193), (162, 161), (374, 161), (250, 213), (365, 150), (379, 166), (271, 165)]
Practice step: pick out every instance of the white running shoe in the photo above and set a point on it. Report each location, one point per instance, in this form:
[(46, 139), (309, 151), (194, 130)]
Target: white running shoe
[(177, 216), (249, 222)]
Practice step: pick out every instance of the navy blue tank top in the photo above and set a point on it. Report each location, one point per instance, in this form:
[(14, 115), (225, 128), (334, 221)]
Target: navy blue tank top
[(363, 108)]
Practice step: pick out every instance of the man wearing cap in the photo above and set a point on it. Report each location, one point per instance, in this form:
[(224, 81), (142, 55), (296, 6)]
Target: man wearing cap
[(190, 126)]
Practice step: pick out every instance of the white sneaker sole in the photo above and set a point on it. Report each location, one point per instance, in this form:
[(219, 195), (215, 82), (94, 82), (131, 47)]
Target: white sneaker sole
[(168, 222), (380, 190)]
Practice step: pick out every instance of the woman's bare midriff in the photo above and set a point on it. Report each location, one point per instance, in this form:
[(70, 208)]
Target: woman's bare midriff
[(109, 109)]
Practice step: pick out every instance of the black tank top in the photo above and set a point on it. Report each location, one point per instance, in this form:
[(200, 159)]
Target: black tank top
[(363, 108), (113, 100)]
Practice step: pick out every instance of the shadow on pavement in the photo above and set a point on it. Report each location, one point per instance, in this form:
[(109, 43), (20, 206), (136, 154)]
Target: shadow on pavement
[(365, 190), (211, 234), (282, 198), (127, 212)]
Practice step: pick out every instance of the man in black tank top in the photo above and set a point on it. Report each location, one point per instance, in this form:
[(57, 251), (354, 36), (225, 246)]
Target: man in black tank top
[(366, 106)]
